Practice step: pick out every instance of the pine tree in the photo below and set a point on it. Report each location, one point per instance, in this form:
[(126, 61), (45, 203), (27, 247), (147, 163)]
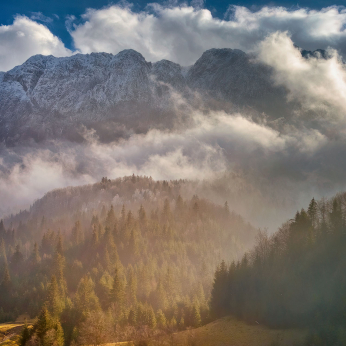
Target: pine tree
[(95, 237), (85, 299), (142, 217), (312, 212), (219, 296), (2, 230), (196, 316), (3, 256), (58, 335), (133, 244), (17, 259), (6, 289), (111, 219), (76, 233), (161, 297), (161, 319), (25, 335), (123, 214), (55, 303), (179, 205), (132, 287), (44, 323), (35, 257), (151, 318), (226, 208), (107, 261), (59, 247), (117, 294), (132, 319), (166, 213)]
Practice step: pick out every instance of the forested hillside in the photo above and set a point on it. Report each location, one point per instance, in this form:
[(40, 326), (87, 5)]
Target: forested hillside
[(294, 278), (131, 253)]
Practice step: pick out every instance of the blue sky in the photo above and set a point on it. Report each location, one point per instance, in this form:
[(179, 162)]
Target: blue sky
[(172, 30), (57, 10)]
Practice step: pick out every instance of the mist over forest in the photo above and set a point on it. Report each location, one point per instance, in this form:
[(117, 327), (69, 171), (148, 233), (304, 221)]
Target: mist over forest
[(181, 172)]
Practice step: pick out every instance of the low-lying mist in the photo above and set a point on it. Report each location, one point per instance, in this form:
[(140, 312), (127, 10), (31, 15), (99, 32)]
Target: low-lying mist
[(265, 169)]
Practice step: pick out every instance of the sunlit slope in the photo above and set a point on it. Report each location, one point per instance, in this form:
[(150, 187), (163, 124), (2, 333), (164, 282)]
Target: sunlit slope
[(9, 333), (232, 332)]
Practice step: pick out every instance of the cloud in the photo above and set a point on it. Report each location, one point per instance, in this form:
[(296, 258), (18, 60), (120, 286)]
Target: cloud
[(24, 38), (183, 33), (318, 84), (252, 156), (39, 16)]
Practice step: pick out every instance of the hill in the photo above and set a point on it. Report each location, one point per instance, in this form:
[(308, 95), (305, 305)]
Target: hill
[(132, 253), (231, 331), (293, 278)]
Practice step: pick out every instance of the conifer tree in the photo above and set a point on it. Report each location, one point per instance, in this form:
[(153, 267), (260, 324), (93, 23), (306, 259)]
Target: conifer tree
[(2, 229), (76, 233), (6, 289), (132, 319), (111, 219), (59, 247), (55, 302), (161, 319), (142, 216), (312, 212), (35, 256), (25, 335), (196, 316), (161, 297), (117, 294), (133, 244), (151, 318), (132, 287), (166, 213), (179, 205), (3, 256), (85, 299), (17, 259), (44, 323), (123, 214), (95, 237)]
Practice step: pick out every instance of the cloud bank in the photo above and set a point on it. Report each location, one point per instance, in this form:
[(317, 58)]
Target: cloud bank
[(318, 84), (177, 33), (24, 38), (183, 33), (254, 163)]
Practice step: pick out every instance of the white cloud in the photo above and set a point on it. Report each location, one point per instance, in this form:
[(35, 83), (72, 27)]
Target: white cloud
[(39, 16), (24, 38), (316, 83), (210, 147), (183, 33)]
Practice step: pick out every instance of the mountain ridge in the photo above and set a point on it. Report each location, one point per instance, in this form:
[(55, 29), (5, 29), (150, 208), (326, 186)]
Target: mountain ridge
[(46, 97)]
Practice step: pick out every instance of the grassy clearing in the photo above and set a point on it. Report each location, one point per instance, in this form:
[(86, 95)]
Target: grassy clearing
[(224, 332), (9, 332), (232, 332)]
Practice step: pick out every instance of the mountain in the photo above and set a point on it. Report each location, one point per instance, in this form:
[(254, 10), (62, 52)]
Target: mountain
[(50, 97)]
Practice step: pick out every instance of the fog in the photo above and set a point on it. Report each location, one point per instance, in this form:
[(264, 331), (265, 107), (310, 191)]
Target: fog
[(265, 169)]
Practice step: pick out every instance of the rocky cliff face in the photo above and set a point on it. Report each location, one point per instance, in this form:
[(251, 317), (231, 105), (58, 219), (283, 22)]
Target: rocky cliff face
[(48, 97)]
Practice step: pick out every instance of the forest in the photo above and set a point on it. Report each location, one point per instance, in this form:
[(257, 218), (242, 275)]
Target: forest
[(123, 259), (293, 278)]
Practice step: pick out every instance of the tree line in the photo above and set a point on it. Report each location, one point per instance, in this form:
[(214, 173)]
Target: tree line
[(293, 278)]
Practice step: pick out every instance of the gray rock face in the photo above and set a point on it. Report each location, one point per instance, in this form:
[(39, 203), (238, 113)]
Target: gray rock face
[(234, 76), (47, 96)]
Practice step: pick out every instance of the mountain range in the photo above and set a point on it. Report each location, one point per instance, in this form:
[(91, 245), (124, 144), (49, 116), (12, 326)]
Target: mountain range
[(49, 97)]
